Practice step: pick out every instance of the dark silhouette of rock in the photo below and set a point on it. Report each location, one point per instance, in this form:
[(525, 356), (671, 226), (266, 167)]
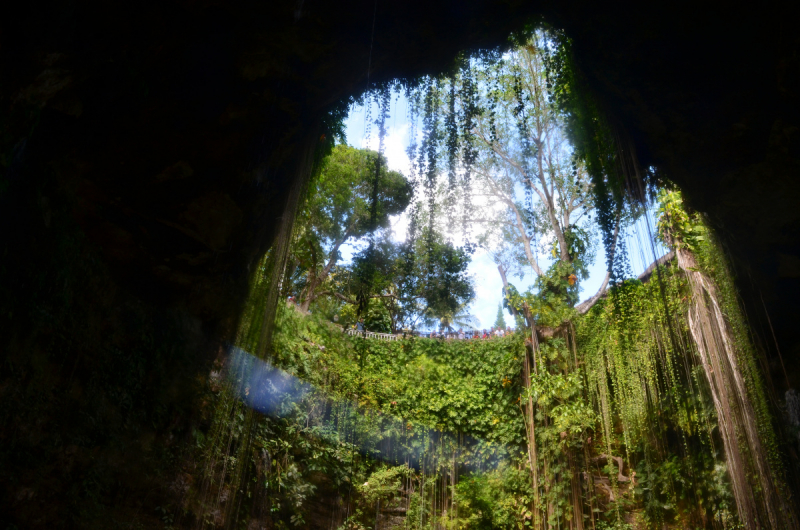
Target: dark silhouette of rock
[(148, 150)]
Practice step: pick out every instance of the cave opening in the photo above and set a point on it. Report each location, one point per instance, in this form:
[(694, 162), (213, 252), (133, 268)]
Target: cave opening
[(642, 405), (174, 185)]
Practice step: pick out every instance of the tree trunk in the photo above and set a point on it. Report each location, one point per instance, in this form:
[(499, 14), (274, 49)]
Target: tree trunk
[(577, 498), (314, 279), (759, 500), (308, 295), (530, 360), (551, 209)]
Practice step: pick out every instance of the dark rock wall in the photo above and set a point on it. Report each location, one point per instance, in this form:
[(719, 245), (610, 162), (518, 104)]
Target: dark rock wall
[(710, 95), (147, 151)]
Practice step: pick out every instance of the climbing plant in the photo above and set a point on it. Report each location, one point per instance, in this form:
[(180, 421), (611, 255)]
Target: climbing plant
[(644, 408)]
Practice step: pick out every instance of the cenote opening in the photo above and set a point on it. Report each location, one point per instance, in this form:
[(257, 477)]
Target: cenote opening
[(399, 267)]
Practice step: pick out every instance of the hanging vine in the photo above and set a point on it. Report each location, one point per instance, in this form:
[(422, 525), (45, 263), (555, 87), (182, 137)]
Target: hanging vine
[(649, 409)]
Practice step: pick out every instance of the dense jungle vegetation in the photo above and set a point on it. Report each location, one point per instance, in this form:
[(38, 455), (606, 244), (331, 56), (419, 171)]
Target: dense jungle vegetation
[(624, 423), (642, 407)]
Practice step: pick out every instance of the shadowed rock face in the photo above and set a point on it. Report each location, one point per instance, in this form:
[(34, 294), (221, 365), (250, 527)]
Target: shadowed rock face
[(147, 152), (710, 97)]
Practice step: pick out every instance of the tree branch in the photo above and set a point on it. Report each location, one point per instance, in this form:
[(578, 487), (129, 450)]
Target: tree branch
[(335, 250), (340, 296), (502, 271), (520, 226)]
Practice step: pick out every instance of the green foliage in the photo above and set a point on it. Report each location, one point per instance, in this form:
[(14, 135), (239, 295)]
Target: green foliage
[(500, 321), (617, 395), (551, 305), (615, 525), (432, 279), (561, 394), (599, 145), (533, 185), (711, 260), (499, 498), (419, 281), (468, 387), (346, 201), (677, 227), (617, 385), (653, 401), (340, 198), (376, 318), (580, 249), (686, 232), (287, 455), (384, 484)]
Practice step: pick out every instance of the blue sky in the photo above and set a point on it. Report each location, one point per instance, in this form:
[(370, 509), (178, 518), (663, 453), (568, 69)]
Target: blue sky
[(488, 285)]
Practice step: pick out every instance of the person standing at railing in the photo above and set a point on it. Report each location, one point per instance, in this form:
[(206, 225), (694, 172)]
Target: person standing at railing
[(460, 333)]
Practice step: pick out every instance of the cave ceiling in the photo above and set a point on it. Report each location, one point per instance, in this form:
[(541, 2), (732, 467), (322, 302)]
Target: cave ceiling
[(165, 136), (170, 131)]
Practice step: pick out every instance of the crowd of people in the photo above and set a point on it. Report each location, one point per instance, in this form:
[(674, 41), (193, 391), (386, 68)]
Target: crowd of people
[(450, 335)]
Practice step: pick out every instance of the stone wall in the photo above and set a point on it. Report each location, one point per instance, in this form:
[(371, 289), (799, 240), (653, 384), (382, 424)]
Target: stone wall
[(147, 151)]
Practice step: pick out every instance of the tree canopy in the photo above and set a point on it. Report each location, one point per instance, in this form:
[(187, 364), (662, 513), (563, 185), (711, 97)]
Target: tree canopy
[(392, 285), (500, 321), (346, 202)]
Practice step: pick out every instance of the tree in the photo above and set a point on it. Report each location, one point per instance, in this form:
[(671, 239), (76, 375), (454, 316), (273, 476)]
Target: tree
[(343, 204), (445, 287), (500, 321), (451, 320), (537, 195), (423, 280), (537, 198)]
